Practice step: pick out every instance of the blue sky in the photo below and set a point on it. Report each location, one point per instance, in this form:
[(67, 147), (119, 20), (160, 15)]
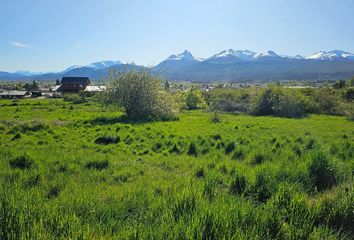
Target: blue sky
[(43, 35)]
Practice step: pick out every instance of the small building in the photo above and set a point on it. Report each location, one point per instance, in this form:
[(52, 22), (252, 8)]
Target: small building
[(11, 94), (74, 84)]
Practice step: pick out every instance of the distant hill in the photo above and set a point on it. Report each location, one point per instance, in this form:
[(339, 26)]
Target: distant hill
[(227, 65)]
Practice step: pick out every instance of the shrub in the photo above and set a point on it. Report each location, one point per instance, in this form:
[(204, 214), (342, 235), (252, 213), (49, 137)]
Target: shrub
[(193, 99), (238, 185), (21, 162), (105, 140), (322, 172), (97, 164), (140, 95), (277, 102)]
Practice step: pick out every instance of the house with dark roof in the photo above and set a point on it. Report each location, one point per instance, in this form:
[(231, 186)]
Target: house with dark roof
[(11, 94), (74, 84)]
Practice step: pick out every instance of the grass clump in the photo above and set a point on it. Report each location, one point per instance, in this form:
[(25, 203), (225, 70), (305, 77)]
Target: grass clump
[(264, 186), (192, 149), (322, 172), (21, 162), (230, 147), (97, 164), (105, 140), (238, 185), (200, 173), (31, 126), (258, 158)]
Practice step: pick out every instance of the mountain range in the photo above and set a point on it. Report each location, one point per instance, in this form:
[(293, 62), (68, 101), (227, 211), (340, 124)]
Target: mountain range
[(227, 65)]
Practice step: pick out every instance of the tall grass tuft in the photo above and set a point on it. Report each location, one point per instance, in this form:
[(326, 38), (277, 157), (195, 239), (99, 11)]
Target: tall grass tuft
[(21, 162), (97, 164), (322, 172)]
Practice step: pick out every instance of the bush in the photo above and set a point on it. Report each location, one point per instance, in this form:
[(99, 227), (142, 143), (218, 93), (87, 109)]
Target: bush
[(193, 99), (105, 140), (97, 164), (140, 95), (22, 162), (277, 102), (322, 172)]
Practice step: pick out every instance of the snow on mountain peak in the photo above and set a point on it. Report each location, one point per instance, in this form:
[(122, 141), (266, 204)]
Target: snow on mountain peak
[(103, 64), (331, 55), (186, 55), (269, 53)]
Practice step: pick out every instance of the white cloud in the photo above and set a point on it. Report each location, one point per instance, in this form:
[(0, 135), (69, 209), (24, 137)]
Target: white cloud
[(20, 45)]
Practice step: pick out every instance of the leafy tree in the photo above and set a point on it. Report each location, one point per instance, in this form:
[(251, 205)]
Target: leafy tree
[(57, 82), (351, 83), (339, 84), (278, 102), (193, 99), (167, 86), (31, 87), (140, 96)]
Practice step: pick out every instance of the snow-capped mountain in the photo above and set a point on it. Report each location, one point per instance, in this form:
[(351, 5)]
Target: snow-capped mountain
[(227, 65), (104, 64), (184, 56), (331, 56), (27, 73), (268, 54), (232, 55), (95, 65), (176, 61)]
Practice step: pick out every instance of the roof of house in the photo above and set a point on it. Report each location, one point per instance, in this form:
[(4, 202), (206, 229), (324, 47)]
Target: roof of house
[(80, 80), (13, 93), (55, 88)]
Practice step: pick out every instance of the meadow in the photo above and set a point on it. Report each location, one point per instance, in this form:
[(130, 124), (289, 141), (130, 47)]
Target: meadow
[(78, 171)]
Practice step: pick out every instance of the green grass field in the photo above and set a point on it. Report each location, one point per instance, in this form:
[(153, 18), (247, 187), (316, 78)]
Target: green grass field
[(74, 171)]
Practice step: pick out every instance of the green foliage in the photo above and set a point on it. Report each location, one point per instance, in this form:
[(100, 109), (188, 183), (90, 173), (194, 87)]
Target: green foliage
[(21, 162), (277, 102), (322, 172), (74, 98), (31, 87), (97, 164), (193, 99), (140, 96), (238, 185), (152, 185), (105, 140), (339, 84)]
